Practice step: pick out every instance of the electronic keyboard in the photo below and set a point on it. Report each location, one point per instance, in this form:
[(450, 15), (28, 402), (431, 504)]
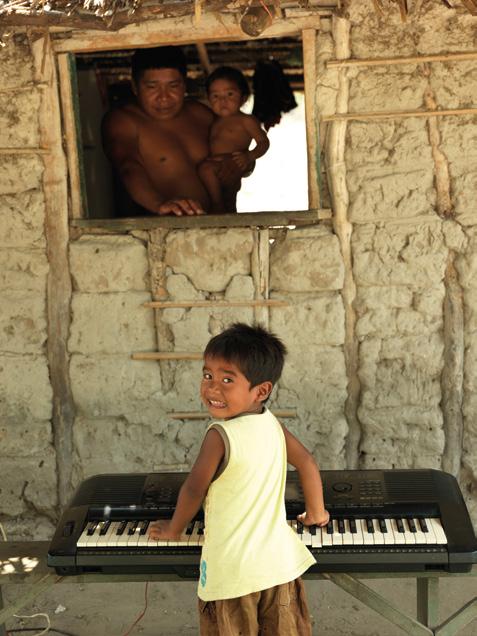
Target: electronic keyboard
[(381, 520)]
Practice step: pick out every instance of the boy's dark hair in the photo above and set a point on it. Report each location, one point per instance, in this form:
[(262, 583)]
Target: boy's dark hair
[(158, 57), (258, 353), (231, 74)]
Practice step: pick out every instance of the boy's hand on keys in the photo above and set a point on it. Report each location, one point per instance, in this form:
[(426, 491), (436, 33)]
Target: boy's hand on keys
[(317, 519), (161, 531)]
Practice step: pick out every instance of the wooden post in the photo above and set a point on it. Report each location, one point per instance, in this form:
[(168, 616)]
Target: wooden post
[(336, 169), (261, 276), (59, 283), (309, 76), (72, 140)]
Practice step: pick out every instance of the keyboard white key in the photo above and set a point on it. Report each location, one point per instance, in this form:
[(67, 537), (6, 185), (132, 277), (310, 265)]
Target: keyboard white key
[(378, 535), (326, 538), (306, 536), (409, 537), (368, 537), (316, 538), (439, 533), (358, 538), (419, 534), (337, 537), (387, 531), (104, 539), (399, 538), (133, 539), (347, 535), (429, 533), (122, 540)]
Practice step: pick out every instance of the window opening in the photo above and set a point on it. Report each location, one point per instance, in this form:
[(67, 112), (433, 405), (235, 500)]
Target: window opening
[(103, 82)]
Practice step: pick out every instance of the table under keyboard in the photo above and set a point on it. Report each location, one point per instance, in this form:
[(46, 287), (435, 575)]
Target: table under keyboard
[(388, 520)]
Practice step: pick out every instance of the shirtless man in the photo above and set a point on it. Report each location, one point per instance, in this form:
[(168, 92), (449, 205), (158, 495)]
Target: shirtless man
[(156, 143)]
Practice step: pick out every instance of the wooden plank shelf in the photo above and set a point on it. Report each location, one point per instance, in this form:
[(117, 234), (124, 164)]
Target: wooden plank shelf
[(167, 355), (203, 415), (184, 304)]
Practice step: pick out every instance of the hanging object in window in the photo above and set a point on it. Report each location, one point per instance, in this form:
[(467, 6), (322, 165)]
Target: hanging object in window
[(272, 93), (255, 20)]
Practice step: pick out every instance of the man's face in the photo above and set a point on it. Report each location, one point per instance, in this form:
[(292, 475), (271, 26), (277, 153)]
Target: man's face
[(160, 92)]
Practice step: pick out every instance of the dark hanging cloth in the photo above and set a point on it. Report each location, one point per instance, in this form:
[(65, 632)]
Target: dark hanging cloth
[(272, 94)]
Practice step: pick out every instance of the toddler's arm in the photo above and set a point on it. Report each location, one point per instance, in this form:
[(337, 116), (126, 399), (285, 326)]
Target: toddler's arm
[(245, 159), (310, 479), (252, 125), (193, 490)]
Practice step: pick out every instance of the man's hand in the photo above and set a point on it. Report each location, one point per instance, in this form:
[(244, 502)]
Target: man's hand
[(161, 531), (317, 519), (181, 207)]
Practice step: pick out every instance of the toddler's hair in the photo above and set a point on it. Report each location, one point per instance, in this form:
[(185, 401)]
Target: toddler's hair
[(158, 57), (258, 353), (231, 74)]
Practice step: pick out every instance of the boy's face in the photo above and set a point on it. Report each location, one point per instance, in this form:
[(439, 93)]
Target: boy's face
[(226, 392), (160, 92), (225, 97)]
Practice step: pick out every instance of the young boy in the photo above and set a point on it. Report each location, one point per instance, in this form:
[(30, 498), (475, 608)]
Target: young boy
[(230, 137), (251, 559)]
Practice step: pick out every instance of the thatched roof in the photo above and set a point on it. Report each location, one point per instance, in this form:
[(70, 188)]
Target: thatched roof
[(115, 14)]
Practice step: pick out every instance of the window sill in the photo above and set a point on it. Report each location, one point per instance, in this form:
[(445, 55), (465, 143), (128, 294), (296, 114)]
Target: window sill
[(248, 219)]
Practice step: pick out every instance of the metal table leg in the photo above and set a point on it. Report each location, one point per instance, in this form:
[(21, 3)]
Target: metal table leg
[(3, 631), (379, 604), (428, 601)]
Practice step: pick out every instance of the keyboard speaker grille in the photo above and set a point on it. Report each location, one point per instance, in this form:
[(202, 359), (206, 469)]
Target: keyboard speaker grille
[(410, 486)]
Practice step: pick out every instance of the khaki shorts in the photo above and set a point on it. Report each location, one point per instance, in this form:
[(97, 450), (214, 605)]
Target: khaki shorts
[(278, 611)]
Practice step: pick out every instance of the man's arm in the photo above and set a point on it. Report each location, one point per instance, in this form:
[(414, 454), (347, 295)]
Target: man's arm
[(120, 143), (310, 479), (193, 490)]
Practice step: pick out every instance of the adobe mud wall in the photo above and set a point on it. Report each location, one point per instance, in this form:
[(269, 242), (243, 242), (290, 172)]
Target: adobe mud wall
[(381, 323)]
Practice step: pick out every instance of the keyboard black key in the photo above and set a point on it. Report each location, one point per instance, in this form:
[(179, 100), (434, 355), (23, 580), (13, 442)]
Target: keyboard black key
[(382, 525), (132, 527), (121, 528), (104, 528), (412, 525), (423, 524), (341, 526), (352, 526), (369, 526), (329, 527), (400, 525), (144, 527), (92, 527)]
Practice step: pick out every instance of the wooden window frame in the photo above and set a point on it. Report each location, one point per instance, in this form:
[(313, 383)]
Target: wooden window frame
[(181, 31)]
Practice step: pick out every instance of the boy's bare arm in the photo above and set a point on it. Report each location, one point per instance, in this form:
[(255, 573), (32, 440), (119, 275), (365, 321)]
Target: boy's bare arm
[(310, 479), (193, 490)]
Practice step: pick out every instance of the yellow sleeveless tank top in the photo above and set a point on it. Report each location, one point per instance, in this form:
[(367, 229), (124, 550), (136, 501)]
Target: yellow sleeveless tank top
[(248, 545)]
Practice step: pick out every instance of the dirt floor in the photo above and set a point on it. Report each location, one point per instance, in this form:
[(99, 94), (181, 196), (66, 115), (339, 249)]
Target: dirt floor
[(110, 609)]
